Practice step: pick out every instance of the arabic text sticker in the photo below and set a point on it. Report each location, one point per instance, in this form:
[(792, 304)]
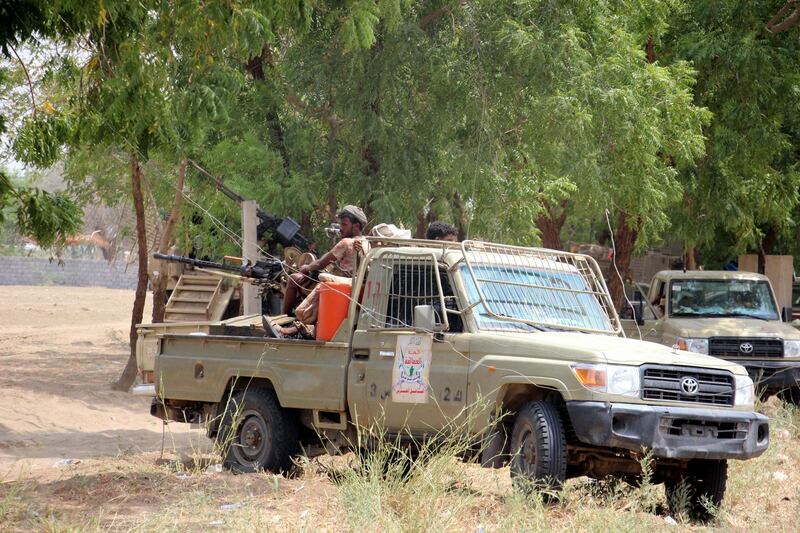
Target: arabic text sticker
[(412, 366)]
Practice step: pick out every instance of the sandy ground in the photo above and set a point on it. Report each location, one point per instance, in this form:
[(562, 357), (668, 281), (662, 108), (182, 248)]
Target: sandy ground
[(60, 348)]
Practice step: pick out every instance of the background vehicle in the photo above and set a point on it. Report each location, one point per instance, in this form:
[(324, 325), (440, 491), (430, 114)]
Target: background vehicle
[(732, 315), (442, 340)]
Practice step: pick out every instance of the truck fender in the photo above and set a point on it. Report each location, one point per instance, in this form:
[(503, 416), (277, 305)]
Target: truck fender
[(515, 390), (236, 382)]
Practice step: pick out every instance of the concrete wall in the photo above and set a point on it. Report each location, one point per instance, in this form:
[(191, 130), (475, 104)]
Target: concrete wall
[(74, 272)]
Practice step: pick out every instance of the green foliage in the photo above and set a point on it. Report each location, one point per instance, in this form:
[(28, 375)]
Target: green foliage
[(482, 113), (47, 217), (40, 139), (747, 185)]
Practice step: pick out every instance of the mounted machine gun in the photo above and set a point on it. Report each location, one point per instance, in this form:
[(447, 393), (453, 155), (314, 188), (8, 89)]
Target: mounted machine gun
[(263, 273), (284, 231), (267, 275)]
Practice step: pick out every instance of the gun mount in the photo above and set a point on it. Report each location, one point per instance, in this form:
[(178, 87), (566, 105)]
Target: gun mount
[(284, 231)]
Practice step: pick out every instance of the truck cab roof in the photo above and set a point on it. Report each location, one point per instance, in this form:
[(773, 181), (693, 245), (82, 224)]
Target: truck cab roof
[(710, 274)]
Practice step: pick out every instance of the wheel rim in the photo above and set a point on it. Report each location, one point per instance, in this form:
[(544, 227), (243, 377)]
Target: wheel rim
[(527, 452), (252, 438)]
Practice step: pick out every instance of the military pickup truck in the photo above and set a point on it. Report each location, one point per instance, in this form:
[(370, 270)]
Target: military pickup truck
[(732, 315), (519, 349)]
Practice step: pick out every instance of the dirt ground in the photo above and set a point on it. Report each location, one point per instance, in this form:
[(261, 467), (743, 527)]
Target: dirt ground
[(60, 348)]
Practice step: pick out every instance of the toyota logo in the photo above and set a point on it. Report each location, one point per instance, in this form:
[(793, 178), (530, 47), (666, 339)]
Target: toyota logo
[(689, 386), (746, 347)]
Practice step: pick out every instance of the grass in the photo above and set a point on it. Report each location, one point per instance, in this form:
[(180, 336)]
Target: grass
[(366, 493)]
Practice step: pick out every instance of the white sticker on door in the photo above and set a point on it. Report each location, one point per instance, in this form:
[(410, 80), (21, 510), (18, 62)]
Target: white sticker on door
[(412, 366)]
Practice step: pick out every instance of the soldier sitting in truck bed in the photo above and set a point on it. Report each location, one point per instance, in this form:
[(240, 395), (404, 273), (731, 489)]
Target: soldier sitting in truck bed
[(343, 256)]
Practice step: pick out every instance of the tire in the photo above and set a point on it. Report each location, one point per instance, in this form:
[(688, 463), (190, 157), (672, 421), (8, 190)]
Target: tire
[(790, 395), (704, 480), (387, 463), (257, 434), (538, 449)]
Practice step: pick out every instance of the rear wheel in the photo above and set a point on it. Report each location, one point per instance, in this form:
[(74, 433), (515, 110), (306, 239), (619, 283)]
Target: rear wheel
[(256, 433), (538, 449), (703, 482)]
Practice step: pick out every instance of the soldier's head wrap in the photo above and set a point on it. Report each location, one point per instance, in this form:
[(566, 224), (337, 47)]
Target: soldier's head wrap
[(355, 214)]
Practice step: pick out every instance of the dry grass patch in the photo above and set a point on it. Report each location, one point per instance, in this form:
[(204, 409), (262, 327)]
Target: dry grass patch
[(365, 494)]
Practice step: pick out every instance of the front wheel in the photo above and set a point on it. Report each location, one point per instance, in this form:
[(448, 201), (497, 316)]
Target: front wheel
[(538, 448), (699, 488), (256, 433)]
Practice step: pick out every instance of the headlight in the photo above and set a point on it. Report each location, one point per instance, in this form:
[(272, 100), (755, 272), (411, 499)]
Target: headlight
[(745, 394), (692, 345), (610, 379), (791, 348)]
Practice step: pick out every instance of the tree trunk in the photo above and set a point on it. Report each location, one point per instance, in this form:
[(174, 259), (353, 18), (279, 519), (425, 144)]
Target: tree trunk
[(626, 233), (160, 283), (781, 21), (770, 240), (255, 66), (422, 226), (461, 216), (550, 224), (766, 246), (650, 50), (624, 241), (129, 373), (691, 259), (424, 220)]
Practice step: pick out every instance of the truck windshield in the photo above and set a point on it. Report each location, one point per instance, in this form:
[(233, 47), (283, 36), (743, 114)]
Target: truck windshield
[(533, 300), (705, 298)]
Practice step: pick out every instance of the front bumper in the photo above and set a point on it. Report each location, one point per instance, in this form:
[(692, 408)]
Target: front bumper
[(671, 432), (772, 375)]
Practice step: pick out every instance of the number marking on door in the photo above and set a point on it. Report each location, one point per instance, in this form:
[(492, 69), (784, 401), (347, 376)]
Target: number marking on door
[(448, 396)]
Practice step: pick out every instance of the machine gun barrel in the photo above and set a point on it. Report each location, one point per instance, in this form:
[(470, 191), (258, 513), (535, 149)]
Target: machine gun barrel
[(262, 270), (285, 230), (218, 182)]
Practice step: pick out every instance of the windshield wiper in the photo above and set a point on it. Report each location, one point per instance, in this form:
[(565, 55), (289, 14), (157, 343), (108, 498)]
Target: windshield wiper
[(534, 326), (745, 315), (719, 315)]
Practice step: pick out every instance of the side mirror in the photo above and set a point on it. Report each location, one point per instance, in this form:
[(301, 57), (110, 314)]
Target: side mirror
[(425, 319), (786, 313)]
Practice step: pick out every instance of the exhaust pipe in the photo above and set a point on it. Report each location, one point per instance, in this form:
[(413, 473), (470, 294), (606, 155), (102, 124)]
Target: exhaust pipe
[(146, 390)]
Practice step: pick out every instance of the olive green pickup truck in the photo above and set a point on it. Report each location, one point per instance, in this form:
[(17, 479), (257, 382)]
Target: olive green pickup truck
[(517, 349), (732, 315)]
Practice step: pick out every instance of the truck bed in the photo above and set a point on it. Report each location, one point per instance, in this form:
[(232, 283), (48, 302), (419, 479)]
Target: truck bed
[(200, 367)]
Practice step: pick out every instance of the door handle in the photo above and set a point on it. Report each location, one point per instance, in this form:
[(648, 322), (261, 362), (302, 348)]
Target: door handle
[(361, 354)]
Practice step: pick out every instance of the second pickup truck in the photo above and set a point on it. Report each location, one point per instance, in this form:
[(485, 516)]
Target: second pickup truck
[(732, 315)]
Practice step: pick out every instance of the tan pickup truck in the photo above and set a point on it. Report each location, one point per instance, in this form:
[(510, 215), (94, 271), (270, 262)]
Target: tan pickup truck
[(732, 315), (446, 337)]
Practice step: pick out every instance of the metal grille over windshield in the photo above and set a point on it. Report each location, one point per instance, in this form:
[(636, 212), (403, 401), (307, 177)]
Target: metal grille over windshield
[(522, 289)]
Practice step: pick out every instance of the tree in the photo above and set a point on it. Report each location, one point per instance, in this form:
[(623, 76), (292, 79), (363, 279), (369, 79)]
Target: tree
[(152, 85), (743, 194), (47, 217)]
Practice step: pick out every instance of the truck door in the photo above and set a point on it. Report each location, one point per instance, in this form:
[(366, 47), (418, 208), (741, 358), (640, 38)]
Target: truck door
[(398, 281)]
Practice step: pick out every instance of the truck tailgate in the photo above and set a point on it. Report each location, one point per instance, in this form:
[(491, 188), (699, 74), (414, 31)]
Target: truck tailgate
[(305, 374)]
